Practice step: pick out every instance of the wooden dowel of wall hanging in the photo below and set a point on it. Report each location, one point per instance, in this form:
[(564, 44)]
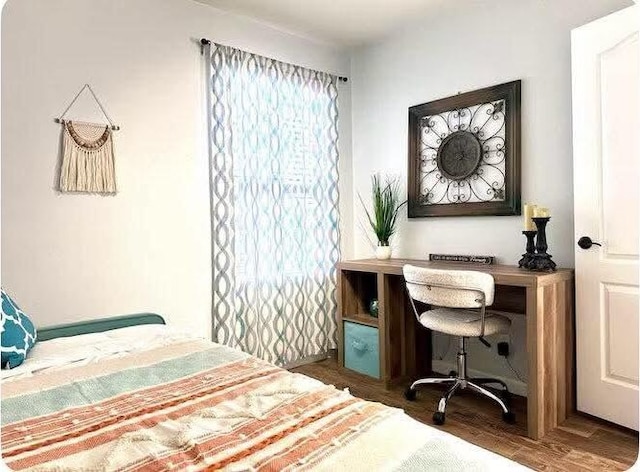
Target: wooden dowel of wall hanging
[(61, 121)]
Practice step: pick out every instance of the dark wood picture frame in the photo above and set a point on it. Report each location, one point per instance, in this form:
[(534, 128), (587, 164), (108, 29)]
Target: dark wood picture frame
[(510, 93)]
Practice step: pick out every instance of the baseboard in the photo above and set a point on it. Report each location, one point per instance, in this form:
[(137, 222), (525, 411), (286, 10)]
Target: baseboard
[(307, 360), (514, 385)]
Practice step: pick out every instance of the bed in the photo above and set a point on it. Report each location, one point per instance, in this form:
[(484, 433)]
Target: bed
[(120, 395)]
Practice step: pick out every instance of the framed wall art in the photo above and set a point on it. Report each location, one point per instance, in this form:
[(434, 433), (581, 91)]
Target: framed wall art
[(464, 154)]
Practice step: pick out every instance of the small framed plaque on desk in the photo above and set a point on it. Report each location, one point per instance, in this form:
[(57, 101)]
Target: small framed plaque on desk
[(460, 258)]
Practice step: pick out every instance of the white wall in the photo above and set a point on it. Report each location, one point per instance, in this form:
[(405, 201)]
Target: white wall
[(72, 257), (462, 46)]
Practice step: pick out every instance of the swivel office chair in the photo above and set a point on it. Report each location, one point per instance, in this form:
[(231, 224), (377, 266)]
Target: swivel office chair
[(457, 302)]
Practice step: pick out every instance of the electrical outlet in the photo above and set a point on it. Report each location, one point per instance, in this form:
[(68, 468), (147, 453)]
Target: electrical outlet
[(503, 349)]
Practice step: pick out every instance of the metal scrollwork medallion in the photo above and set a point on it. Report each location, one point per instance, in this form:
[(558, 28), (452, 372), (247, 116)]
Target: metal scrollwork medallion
[(459, 155)]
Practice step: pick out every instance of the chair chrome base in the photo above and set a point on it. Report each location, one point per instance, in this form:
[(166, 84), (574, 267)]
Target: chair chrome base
[(460, 382)]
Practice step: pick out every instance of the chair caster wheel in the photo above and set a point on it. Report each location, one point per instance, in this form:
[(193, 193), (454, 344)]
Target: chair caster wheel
[(410, 394), (509, 417), (438, 418)]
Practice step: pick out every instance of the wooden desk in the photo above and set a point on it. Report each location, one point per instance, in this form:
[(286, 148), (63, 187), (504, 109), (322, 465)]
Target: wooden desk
[(546, 299)]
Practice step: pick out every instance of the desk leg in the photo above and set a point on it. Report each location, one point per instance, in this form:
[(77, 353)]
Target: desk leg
[(550, 347), (535, 393), (391, 329), (340, 287)]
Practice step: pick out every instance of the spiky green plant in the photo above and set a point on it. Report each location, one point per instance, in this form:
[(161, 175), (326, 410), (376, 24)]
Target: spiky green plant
[(386, 205)]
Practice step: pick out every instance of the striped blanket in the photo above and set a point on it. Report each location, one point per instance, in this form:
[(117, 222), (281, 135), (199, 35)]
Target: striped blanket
[(200, 406)]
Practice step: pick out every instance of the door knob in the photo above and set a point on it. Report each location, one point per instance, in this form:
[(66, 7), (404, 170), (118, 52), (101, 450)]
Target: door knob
[(585, 242)]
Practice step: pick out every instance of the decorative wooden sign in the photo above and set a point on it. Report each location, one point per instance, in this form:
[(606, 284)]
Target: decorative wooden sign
[(458, 258)]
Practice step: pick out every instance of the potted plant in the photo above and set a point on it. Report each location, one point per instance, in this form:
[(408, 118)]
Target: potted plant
[(386, 205)]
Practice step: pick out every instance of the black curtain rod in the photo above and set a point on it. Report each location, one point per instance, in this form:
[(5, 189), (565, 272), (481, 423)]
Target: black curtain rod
[(207, 42)]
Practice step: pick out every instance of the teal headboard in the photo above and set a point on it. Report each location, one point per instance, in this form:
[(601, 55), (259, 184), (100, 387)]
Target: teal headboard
[(97, 326)]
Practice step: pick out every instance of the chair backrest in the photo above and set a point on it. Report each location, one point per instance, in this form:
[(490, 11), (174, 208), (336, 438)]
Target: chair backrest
[(449, 288)]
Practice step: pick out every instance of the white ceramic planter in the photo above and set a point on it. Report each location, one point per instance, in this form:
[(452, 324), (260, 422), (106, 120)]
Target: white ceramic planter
[(383, 252)]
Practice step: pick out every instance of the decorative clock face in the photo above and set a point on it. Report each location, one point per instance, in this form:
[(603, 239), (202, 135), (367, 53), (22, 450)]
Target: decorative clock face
[(464, 154)]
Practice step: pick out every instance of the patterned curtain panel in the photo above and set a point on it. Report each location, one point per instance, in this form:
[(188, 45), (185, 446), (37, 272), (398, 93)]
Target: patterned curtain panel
[(274, 185)]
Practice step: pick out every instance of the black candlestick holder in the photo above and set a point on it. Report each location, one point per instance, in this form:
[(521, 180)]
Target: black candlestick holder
[(541, 261), (527, 257)]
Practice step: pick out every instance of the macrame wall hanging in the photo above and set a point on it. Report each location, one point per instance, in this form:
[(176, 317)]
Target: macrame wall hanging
[(88, 163)]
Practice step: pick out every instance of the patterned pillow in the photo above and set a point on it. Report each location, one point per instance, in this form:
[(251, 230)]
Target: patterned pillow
[(17, 332)]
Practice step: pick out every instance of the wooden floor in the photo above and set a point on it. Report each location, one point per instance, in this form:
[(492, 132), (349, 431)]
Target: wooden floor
[(582, 443)]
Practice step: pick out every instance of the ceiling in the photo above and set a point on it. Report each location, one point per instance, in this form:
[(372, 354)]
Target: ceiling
[(344, 23)]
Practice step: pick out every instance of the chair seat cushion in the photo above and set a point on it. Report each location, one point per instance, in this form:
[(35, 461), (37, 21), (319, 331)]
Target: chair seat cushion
[(464, 322)]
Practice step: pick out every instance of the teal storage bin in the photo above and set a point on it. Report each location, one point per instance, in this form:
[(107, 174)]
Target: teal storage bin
[(361, 349)]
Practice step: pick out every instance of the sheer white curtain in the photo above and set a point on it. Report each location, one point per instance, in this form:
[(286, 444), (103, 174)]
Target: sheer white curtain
[(274, 158)]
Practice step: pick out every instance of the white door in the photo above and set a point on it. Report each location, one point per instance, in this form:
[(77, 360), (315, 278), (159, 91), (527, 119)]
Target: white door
[(606, 155)]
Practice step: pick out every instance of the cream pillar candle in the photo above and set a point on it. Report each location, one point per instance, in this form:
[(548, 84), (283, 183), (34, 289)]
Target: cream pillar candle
[(541, 212), (527, 215)]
